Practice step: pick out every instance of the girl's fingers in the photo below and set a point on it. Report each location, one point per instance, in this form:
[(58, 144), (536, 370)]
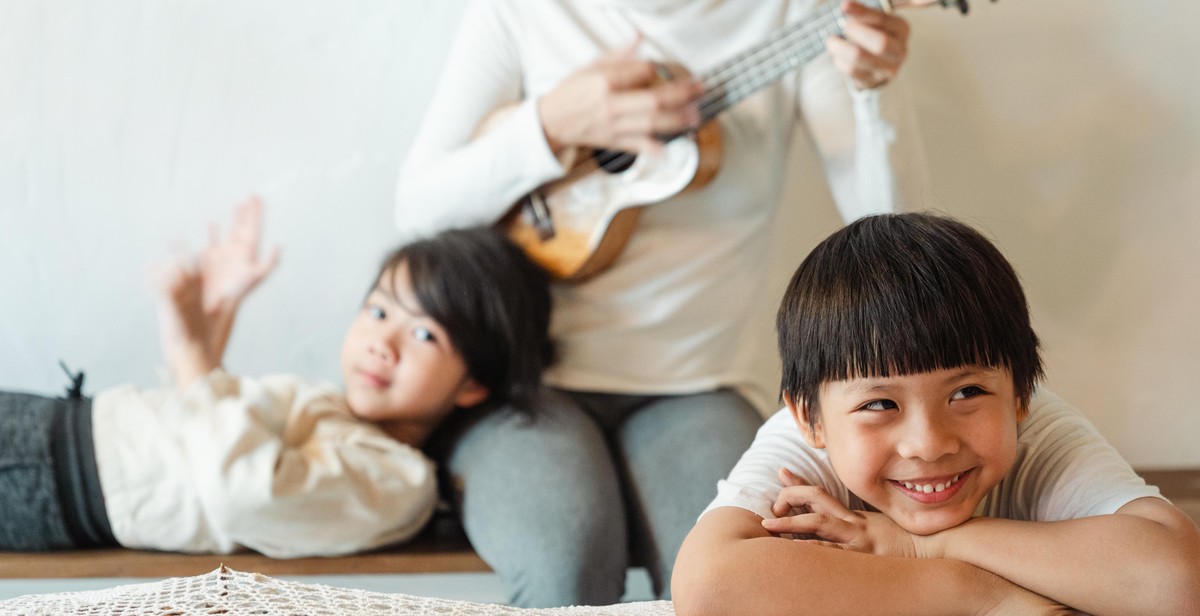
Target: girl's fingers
[(266, 266)]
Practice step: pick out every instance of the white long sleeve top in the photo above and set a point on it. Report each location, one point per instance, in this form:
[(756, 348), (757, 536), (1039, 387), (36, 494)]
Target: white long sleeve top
[(671, 314), (276, 464)]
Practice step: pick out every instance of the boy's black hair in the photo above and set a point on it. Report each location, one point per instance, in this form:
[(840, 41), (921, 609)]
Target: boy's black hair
[(898, 294), (492, 300)]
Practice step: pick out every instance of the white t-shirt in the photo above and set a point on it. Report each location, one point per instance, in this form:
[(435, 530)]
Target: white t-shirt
[(277, 464), (673, 314), (1064, 469)]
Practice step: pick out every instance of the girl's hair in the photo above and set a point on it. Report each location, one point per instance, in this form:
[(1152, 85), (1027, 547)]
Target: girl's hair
[(492, 301), (900, 294)]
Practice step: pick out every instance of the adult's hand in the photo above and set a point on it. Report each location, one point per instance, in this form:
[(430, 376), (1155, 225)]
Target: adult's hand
[(874, 45), (618, 102)]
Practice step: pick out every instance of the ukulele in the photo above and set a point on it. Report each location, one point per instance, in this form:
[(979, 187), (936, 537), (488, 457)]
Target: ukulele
[(577, 225)]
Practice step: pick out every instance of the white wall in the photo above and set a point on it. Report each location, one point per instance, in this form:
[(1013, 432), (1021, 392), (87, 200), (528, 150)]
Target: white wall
[(1069, 130)]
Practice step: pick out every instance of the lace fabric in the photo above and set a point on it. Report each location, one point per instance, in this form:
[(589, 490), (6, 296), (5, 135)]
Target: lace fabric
[(225, 591)]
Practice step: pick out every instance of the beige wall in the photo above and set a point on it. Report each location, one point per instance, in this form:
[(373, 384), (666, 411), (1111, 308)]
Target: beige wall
[(1069, 130)]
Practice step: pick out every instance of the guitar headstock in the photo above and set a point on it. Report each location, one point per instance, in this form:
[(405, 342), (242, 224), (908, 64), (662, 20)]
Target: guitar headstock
[(961, 4)]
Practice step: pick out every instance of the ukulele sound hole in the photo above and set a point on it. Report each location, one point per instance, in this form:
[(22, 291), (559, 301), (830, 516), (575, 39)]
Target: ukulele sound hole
[(613, 161)]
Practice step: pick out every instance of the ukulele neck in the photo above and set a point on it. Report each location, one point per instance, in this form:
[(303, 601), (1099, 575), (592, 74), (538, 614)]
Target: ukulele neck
[(782, 52)]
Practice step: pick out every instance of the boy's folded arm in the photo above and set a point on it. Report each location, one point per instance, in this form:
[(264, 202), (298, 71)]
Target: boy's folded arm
[(1144, 559), (730, 565)]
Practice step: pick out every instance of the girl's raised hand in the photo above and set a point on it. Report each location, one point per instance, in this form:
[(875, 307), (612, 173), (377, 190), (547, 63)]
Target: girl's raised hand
[(186, 331), (231, 267)]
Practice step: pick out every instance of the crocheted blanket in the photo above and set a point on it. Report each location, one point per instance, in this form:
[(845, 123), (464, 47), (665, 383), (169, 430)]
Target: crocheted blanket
[(225, 591)]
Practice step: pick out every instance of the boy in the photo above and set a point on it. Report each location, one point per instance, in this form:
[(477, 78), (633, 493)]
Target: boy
[(921, 473), (279, 464)]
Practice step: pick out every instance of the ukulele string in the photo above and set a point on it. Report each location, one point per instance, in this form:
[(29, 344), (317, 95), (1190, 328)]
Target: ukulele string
[(748, 71)]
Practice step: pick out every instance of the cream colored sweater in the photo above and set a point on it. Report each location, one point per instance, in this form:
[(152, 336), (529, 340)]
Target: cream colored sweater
[(276, 464)]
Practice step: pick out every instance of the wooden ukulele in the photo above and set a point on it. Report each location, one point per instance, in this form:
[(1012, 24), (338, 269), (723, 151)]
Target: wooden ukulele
[(577, 225)]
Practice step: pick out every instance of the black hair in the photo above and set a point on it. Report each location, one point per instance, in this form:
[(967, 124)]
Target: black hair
[(897, 294), (492, 300)]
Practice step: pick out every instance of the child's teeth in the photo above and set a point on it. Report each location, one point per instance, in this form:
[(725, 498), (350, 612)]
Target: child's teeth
[(931, 488)]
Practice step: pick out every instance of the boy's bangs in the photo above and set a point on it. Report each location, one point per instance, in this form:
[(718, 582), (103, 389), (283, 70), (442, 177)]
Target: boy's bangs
[(906, 335), (903, 294)]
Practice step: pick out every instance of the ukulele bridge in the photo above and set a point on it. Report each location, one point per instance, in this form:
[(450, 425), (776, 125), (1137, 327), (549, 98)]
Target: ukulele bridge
[(538, 215)]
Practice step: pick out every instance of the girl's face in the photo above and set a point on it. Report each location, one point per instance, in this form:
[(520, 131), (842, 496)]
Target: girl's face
[(924, 449), (398, 363)]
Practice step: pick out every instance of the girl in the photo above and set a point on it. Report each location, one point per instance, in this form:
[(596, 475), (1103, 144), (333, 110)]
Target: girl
[(279, 464)]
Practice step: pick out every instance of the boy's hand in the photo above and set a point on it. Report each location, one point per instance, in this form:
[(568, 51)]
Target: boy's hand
[(809, 510), (231, 268)]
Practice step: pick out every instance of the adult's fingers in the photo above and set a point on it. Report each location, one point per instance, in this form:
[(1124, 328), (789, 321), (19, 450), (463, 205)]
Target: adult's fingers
[(888, 22), (625, 52), (666, 109), (628, 74), (867, 70)]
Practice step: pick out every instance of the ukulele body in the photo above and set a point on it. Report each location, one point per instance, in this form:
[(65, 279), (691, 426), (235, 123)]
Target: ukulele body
[(576, 226)]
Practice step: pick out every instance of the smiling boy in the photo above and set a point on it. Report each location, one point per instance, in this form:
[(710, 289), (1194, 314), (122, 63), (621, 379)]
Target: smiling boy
[(916, 469)]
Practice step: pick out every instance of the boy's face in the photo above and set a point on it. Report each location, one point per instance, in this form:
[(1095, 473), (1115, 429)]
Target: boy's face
[(924, 449), (398, 364)]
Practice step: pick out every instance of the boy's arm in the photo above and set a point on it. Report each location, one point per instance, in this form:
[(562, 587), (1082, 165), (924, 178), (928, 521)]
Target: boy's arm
[(731, 565), (1144, 559)]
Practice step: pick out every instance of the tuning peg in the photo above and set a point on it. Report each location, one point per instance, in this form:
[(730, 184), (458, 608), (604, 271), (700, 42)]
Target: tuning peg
[(961, 4)]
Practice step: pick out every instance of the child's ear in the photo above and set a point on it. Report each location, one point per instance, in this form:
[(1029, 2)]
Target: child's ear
[(470, 393), (812, 432), (1022, 412)]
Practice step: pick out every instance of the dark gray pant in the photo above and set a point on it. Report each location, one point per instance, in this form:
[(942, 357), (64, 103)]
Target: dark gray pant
[(551, 504), (31, 512)]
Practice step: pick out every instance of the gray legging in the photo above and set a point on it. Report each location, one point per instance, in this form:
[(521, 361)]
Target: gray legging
[(551, 503)]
